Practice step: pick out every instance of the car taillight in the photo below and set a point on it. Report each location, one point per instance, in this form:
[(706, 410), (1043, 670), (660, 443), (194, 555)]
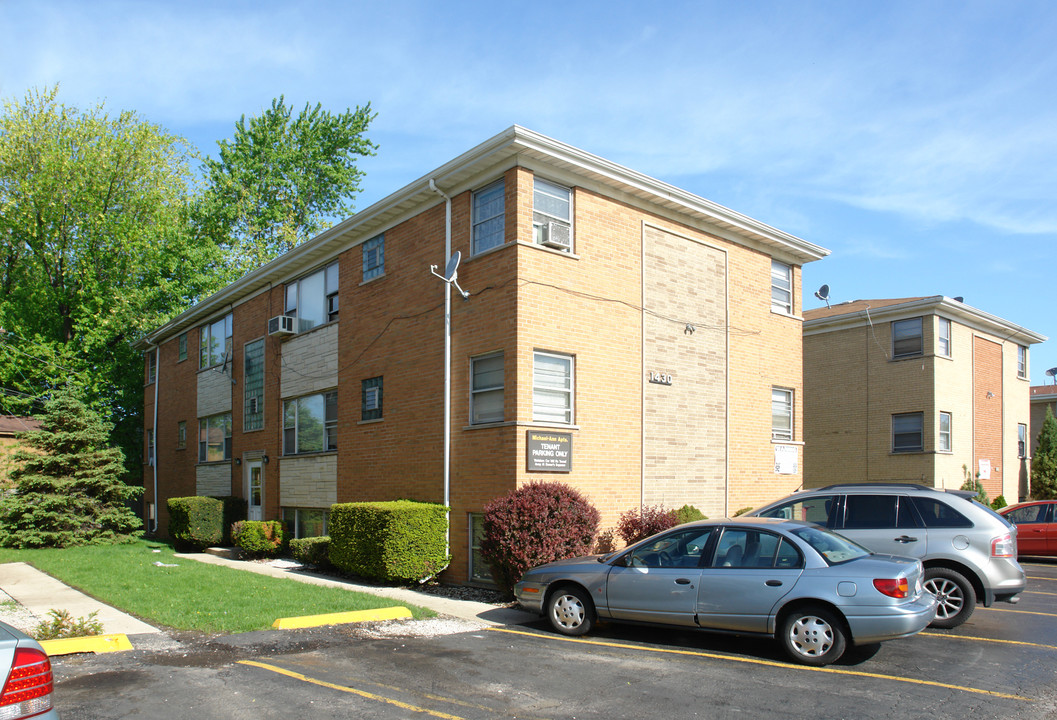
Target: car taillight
[(1003, 546), (894, 587), (27, 691)]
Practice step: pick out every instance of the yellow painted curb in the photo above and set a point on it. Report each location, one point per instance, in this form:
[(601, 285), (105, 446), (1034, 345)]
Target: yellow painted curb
[(353, 616), (92, 644)]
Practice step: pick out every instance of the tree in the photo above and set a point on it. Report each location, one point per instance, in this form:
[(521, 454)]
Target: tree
[(95, 248), (1044, 462), (68, 479), (282, 179)]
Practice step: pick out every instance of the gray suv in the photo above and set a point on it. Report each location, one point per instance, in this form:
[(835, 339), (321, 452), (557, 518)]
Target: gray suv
[(969, 551)]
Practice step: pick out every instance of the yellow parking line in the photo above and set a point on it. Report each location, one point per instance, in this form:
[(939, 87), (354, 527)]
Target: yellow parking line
[(354, 691), (1033, 577), (990, 640), (1021, 612), (769, 663)]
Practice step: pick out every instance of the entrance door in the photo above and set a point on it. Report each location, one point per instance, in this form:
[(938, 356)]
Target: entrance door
[(254, 489)]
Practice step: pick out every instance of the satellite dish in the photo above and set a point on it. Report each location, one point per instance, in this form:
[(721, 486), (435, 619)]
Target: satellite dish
[(1052, 372), (823, 294), (959, 299), (453, 266)]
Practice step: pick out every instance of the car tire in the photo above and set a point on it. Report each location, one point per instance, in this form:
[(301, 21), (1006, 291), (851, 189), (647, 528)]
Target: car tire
[(813, 636), (570, 611), (955, 597)]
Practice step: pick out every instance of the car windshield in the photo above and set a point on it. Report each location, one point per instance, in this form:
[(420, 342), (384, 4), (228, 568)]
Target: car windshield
[(835, 549)]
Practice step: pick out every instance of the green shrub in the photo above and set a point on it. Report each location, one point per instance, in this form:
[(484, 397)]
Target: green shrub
[(312, 551), (196, 522), (535, 524), (62, 625), (688, 513), (401, 541), (999, 503), (639, 524), (260, 538)]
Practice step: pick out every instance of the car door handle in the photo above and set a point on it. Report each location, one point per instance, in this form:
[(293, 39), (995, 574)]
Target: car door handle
[(774, 583), (682, 581), (906, 539)]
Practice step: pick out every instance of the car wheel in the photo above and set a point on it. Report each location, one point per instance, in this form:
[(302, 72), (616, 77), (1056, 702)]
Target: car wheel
[(813, 636), (955, 597), (570, 611)]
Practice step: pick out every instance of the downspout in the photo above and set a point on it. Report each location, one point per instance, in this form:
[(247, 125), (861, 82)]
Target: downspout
[(154, 464), (447, 367)]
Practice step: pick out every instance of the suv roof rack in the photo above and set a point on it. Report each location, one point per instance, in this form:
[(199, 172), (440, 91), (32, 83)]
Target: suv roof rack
[(840, 486)]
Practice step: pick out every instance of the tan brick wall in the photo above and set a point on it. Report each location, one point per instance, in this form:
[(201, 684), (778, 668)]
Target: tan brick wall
[(214, 392), (213, 480), (310, 361), (309, 482)]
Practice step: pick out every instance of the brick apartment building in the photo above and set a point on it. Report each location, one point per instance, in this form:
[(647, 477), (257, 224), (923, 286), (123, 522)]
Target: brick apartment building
[(916, 390), (1043, 397), (622, 335)]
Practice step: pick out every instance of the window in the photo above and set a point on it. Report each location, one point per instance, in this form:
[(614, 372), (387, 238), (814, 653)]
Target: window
[(371, 399), (875, 512), (313, 299), (1022, 362), (310, 424), (943, 345), (488, 209), (182, 343), (1029, 514), (486, 389), (781, 288), (216, 343), (552, 215), (781, 414), (906, 432), (818, 509), (944, 444), (749, 549), (1022, 440), (152, 366), (214, 438), (253, 386), (552, 388), (906, 337), (150, 446), (374, 258), (681, 548), (480, 571), (306, 522), (181, 435), (938, 514)]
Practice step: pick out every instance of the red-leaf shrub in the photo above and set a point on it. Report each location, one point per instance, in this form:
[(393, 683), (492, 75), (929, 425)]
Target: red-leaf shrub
[(536, 524), (637, 525)]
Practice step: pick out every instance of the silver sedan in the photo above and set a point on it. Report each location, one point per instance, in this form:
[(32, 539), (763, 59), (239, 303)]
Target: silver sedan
[(813, 590)]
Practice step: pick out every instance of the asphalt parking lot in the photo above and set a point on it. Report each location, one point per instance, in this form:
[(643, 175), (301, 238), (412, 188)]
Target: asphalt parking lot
[(998, 665)]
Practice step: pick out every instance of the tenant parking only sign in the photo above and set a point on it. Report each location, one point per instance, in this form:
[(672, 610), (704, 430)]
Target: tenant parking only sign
[(549, 451)]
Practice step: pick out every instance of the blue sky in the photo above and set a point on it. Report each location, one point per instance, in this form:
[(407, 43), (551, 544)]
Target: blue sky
[(915, 140)]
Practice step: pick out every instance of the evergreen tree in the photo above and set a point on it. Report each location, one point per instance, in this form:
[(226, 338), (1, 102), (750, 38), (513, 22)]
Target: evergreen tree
[(68, 483), (1044, 462)]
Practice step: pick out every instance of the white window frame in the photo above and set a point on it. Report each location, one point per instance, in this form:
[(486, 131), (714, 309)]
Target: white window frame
[(944, 438), (152, 366), (781, 287), (943, 338), (541, 218), (213, 348), (781, 408), (1022, 440), (902, 419), (297, 299), (374, 258), (1022, 362), (372, 395), (475, 574), (487, 232), (150, 446), (205, 425), (492, 390), (545, 412), (330, 425), (899, 335)]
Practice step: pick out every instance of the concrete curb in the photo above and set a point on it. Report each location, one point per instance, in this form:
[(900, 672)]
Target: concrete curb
[(91, 644), (342, 618)]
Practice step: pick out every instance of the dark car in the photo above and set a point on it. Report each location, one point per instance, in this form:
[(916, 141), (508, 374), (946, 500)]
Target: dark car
[(27, 675), (1036, 526), (813, 590)]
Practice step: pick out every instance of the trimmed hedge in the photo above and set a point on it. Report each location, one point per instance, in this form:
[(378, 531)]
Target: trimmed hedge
[(196, 522), (401, 541), (312, 550), (260, 538)]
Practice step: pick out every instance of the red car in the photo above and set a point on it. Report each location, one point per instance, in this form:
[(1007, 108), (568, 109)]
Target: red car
[(1036, 526)]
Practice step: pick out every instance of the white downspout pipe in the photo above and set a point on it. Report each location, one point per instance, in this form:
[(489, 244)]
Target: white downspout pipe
[(154, 463), (447, 366)]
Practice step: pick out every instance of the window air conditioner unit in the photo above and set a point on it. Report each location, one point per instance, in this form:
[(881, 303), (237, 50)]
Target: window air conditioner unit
[(281, 325), (559, 235)]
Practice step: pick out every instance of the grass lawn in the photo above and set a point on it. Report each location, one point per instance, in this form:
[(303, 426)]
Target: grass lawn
[(192, 595)]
